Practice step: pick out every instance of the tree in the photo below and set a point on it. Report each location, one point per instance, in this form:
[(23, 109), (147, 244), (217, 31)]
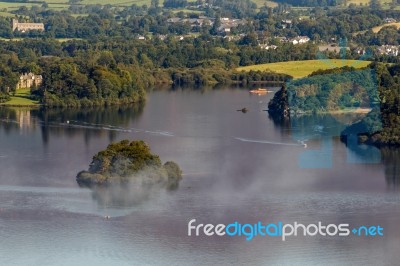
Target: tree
[(155, 3), (375, 5), (217, 23), (106, 59)]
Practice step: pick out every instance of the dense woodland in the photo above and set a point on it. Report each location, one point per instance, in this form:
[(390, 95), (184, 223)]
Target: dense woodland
[(382, 126), (79, 72), (376, 87)]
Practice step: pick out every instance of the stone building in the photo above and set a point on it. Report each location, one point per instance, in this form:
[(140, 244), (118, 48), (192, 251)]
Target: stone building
[(29, 80), (23, 27)]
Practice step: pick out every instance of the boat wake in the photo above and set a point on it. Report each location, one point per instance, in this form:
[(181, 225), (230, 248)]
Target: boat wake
[(74, 124), (301, 144), (96, 127), (86, 125), (162, 133)]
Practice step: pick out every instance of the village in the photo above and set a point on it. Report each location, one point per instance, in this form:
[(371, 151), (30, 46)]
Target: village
[(230, 28)]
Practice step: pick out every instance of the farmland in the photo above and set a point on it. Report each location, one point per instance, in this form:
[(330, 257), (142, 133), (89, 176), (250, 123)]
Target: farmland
[(378, 28), (299, 69)]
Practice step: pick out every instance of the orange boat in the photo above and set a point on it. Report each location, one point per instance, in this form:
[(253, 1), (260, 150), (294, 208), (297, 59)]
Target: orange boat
[(260, 91)]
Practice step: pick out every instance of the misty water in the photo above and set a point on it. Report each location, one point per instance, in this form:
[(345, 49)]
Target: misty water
[(237, 167)]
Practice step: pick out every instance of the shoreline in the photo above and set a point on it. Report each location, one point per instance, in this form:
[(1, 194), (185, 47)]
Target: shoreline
[(342, 111), (21, 105), (351, 110)]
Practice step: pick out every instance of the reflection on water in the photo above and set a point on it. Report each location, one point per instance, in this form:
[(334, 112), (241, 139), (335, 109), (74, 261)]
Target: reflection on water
[(391, 160), (237, 166), (89, 121), (126, 196), (320, 132)]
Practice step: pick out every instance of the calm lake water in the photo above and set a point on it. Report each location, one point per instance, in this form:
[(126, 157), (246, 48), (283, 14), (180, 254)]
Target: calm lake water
[(237, 167)]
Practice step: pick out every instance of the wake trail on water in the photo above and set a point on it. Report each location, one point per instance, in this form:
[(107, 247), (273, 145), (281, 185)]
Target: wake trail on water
[(95, 127), (163, 133), (74, 124), (302, 144)]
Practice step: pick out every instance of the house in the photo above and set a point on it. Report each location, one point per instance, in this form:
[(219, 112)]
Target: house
[(282, 39), (23, 27), (29, 80), (390, 50), (194, 22), (360, 51), (389, 20), (174, 20), (268, 47), (299, 40), (332, 48), (224, 29), (286, 23), (162, 37), (227, 24)]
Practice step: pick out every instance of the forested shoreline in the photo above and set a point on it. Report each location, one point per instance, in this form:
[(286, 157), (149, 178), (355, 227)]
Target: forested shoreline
[(375, 87), (80, 73)]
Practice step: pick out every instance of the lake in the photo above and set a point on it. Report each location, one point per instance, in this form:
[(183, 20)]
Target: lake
[(237, 166)]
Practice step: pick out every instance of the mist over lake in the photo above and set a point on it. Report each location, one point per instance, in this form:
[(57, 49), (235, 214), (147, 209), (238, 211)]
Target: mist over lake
[(236, 167)]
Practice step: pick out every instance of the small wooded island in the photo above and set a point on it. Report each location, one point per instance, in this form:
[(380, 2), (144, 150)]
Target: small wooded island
[(130, 161)]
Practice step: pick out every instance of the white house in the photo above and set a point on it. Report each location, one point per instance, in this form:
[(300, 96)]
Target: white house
[(391, 50), (300, 40)]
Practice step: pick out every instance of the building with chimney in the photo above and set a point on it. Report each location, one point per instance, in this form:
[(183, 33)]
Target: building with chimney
[(29, 80)]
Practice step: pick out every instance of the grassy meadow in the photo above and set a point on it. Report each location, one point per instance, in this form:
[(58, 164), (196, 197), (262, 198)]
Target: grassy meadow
[(261, 3), (63, 4), (378, 28), (366, 2), (21, 98), (300, 69)]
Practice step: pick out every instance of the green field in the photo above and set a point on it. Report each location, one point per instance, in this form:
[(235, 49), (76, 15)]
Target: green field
[(116, 2), (358, 2), (63, 4), (185, 10), (300, 69), (385, 3), (261, 3), (366, 2), (378, 28), (21, 98), (6, 14)]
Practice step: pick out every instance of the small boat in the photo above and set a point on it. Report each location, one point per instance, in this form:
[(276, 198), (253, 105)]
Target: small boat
[(243, 110), (260, 91)]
